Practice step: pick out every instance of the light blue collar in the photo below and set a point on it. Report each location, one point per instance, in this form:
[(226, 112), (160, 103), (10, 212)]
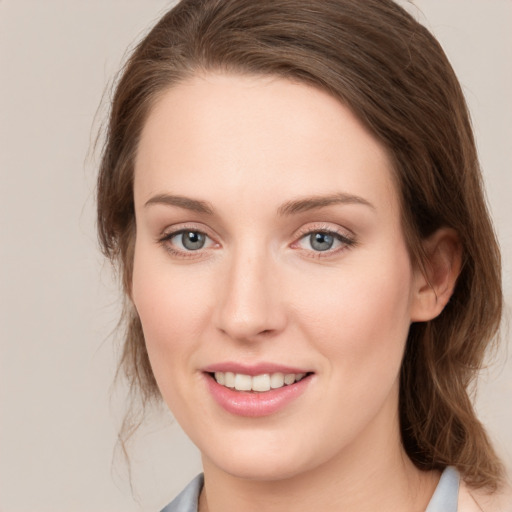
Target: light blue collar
[(446, 495)]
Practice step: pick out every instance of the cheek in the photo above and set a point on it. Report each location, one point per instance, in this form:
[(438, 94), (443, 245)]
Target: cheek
[(361, 318), (172, 306)]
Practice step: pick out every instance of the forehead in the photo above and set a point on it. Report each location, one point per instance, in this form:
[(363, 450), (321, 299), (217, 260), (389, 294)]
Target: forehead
[(247, 133)]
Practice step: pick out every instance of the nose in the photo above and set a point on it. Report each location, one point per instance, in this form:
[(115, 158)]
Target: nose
[(250, 303)]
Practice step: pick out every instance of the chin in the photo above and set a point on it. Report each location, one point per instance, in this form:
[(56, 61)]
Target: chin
[(268, 460), (264, 470)]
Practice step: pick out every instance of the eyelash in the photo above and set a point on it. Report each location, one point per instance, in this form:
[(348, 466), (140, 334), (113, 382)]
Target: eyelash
[(180, 253), (347, 241)]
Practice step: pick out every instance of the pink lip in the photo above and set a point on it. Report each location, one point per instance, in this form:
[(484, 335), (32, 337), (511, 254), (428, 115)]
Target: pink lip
[(254, 369), (255, 404)]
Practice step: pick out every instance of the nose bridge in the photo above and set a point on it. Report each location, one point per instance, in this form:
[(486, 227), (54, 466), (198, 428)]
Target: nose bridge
[(249, 303)]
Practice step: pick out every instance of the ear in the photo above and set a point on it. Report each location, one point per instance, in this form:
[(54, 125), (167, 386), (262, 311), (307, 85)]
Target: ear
[(434, 284)]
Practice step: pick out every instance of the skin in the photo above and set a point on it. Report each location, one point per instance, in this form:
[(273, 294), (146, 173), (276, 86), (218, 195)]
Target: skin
[(258, 291)]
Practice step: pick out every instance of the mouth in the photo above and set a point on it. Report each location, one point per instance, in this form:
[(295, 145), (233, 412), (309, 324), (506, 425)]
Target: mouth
[(256, 383), (255, 392), (260, 389)]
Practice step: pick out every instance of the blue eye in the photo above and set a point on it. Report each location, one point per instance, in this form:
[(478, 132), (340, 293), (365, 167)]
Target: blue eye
[(188, 240), (324, 241), (321, 241)]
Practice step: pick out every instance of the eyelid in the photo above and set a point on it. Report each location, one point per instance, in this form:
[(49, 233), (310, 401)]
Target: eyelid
[(185, 226), (323, 227)]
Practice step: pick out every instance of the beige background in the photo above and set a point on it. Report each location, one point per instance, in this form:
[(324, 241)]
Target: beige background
[(58, 303)]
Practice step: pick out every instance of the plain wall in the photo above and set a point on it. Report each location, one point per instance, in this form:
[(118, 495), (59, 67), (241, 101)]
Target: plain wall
[(59, 304)]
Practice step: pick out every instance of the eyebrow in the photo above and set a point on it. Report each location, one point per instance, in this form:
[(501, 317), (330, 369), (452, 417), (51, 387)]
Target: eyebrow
[(288, 208), (187, 203), (314, 202)]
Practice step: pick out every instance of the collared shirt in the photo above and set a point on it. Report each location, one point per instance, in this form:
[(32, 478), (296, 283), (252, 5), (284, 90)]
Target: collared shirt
[(444, 499)]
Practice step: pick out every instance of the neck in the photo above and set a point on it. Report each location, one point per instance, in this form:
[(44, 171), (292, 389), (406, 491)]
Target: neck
[(396, 489), (372, 473)]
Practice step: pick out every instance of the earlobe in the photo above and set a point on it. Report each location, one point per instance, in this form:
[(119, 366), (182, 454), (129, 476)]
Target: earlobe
[(435, 282)]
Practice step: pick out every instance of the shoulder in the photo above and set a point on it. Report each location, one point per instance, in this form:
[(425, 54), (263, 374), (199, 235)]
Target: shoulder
[(478, 500)]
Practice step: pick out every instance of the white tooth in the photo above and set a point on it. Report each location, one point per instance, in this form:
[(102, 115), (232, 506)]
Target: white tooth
[(229, 379), (243, 382), (276, 380), (261, 382), (289, 378)]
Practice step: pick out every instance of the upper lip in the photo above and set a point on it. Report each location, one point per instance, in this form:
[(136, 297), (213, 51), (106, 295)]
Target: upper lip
[(253, 369)]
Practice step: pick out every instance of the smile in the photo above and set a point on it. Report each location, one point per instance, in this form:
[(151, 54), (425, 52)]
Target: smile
[(257, 383), (255, 393)]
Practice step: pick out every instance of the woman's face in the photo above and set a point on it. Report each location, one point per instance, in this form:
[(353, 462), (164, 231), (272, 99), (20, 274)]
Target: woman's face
[(270, 256)]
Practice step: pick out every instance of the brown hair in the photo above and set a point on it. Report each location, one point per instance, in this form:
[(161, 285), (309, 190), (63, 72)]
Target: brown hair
[(375, 58)]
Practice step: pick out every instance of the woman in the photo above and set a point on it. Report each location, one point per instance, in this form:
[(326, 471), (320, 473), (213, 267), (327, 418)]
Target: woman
[(291, 190)]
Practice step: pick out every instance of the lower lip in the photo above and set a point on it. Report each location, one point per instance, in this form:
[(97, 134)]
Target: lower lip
[(255, 404)]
